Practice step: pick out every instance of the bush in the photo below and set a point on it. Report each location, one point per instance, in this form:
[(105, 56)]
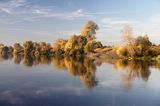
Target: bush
[(154, 51), (122, 51)]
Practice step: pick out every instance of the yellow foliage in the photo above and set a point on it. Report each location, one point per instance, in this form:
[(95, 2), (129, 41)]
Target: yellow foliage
[(59, 44), (122, 51), (89, 30)]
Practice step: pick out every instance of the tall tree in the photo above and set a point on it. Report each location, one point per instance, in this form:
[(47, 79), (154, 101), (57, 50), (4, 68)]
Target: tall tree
[(127, 34), (89, 30)]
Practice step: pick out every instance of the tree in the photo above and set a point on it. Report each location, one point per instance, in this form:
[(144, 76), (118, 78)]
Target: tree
[(36, 49), (1, 45), (45, 48), (4, 50), (89, 30), (1, 48), (36, 46), (142, 41), (91, 46), (75, 45), (17, 48), (28, 45), (127, 33), (143, 44), (59, 45)]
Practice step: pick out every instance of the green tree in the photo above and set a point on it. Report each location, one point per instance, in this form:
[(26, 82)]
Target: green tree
[(143, 44)]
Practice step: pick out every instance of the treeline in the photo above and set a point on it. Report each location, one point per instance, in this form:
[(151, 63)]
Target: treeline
[(79, 45), (28, 49), (137, 47), (76, 45)]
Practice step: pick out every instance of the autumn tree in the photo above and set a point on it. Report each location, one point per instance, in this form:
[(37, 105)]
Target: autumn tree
[(45, 48), (17, 48), (75, 45), (28, 47), (92, 45), (127, 34), (59, 46), (143, 44), (89, 30)]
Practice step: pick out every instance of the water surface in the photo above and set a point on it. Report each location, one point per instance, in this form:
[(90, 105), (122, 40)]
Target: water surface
[(76, 82)]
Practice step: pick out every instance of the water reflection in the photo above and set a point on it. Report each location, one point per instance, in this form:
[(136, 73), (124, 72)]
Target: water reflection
[(85, 68), (135, 70), (82, 67)]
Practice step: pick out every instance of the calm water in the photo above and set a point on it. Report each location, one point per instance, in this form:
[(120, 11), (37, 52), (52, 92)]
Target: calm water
[(70, 82)]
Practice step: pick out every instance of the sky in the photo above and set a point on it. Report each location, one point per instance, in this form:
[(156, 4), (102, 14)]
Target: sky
[(47, 20)]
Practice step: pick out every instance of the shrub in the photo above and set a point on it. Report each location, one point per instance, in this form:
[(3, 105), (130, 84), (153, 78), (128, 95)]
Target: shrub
[(154, 50), (122, 51)]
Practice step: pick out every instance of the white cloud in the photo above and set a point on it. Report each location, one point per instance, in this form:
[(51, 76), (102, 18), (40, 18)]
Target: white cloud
[(5, 10), (12, 4), (112, 21), (80, 13), (49, 13), (20, 10)]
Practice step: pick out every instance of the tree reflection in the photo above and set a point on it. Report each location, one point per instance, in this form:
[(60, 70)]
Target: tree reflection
[(85, 68), (30, 61), (5, 56), (58, 63), (17, 58), (82, 67), (134, 69)]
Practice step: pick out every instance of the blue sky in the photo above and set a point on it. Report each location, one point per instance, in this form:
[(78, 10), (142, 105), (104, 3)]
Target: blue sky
[(47, 20)]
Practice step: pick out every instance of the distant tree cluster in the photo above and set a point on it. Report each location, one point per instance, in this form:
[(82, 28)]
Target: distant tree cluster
[(85, 43), (78, 45), (137, 47), (28, 48)]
